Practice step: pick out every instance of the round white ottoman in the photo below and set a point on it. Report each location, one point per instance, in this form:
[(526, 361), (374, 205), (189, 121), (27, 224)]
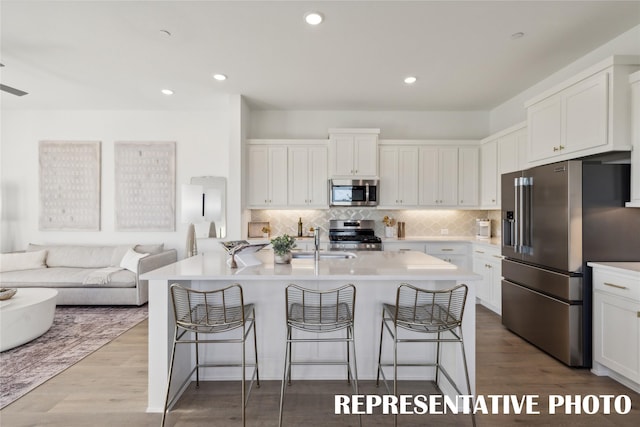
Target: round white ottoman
[(26, 316)]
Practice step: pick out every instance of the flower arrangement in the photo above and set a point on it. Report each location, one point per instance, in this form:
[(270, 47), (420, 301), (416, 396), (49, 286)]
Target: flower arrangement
[(389, 221), (265, 231), (283, 244)]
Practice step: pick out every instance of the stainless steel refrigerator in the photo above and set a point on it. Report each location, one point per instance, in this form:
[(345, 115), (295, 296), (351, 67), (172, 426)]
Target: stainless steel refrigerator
[(556, 218)]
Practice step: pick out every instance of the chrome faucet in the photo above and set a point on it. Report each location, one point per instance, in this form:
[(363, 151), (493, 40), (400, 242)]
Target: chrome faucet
[(316, 241)]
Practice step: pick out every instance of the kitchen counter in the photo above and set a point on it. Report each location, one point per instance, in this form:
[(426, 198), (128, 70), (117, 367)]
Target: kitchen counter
[(632, 268), (376, 276), (494, 241)]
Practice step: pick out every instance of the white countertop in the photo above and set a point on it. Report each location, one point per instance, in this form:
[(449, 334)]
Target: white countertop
[(368, 265), (632, 268)]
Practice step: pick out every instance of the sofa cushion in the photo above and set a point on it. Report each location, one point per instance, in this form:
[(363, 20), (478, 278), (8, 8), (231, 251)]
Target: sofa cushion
[(63, 277), (149, 249), (118, 254), (130, 260), (22, 260), (76, 255)]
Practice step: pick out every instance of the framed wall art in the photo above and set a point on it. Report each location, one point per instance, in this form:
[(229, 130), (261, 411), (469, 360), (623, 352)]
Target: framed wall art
[(69, 185), (145, 186)]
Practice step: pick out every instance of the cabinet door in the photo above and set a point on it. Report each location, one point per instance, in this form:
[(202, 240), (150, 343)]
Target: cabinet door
[(635, 135), (318, 178), (448, 176), (343, 155), (616, 334), (468, 174), (508, 154), (389, 182), (544, 123), (429, 176), (408, 175), (585, 107), (488, 175), (483, 286), (495, 278), (298, 175), (278, 172), (258, 162), (521, 141), (365, 155)]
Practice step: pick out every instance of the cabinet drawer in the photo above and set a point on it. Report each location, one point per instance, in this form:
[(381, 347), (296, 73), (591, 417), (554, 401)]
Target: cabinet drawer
[(616, 284), (481, 250), (447, 248), (402, 246)]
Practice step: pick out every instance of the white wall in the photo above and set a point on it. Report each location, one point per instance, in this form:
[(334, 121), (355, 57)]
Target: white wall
[(202, 148), (392, 124), (512, 111)]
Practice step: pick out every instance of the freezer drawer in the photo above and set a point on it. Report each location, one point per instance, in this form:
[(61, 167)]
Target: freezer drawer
[(550, 324), (563, 286)]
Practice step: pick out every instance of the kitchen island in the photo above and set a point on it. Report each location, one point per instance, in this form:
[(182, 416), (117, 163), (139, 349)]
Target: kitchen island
[(376, 276)]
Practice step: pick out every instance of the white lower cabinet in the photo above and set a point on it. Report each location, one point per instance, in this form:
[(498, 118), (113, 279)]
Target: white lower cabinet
[(402, 246), (487, 262), (456, 253), (616, 324)]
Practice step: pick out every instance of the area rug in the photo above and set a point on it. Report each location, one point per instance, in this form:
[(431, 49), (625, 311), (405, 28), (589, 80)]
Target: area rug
[(77, 331)]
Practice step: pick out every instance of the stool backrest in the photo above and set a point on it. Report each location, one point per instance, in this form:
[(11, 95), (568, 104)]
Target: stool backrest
[(320, 311), (430, 309), (208, 311)]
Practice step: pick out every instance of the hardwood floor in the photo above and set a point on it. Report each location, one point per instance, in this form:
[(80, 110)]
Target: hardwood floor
[(108, 388)]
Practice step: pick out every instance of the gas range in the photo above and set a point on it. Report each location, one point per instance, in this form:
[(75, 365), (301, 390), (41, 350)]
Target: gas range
[(355, 235)]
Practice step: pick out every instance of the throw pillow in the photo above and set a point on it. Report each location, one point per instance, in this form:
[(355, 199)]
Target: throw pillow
[(130, 260), (149, 249), (22, 261)]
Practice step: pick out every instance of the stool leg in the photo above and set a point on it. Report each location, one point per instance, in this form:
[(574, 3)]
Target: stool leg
[(355, 367), (380, 350), (437, 358), (290, 340), (348, 360), (244, 374), (197, 362), (287, 350), (255, 347), (166, 399), (466, 374), (395, 371)]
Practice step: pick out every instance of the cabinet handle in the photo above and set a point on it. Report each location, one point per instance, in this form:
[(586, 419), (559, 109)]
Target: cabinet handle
[(497, 256), (446, 249), (615, 286), (556, 149), (561, 147), (480, 252)]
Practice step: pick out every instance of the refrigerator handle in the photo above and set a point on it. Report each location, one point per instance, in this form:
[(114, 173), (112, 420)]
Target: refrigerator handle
[(517, 233), (527, 212)]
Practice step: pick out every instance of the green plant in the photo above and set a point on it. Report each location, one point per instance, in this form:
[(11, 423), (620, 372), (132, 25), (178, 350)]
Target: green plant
[(283, 244)]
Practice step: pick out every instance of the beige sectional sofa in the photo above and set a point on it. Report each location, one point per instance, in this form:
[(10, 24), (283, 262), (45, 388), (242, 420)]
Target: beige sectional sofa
[(86, 275)]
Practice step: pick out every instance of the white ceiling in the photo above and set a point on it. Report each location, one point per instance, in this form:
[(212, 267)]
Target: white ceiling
[(113, 55)]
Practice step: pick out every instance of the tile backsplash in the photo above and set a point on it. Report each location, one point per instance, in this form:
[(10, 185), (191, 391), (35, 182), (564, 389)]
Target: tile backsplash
[(418, 222)]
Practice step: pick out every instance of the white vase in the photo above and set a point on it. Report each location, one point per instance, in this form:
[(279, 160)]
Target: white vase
[(389, 232), (282, 259)]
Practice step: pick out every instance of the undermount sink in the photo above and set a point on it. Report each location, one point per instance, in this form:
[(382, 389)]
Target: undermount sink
[(323, 254)]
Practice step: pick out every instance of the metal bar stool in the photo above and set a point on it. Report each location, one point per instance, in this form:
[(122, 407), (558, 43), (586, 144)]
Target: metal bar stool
[(212, 312), (319, 312), (435, 312)]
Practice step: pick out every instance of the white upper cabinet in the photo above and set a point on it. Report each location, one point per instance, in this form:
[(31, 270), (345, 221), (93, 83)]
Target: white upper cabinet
[(468, 173), (634, 80), (267, 176), (308, 181), (502, 152), (438, 172), (398, 176), (489, 174), (585, 115), (353, 153)]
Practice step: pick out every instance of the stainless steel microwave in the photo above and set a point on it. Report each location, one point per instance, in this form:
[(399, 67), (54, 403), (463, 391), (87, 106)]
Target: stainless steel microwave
[(358, 192)]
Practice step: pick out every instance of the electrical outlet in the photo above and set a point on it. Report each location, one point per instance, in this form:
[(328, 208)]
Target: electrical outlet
[(444, 231)]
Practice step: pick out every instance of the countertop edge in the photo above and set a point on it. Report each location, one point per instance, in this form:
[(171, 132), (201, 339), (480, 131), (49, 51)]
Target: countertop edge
[(631, 268)]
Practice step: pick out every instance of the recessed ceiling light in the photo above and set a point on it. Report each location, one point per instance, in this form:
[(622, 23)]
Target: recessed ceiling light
[(517, 35), (313, 18), (167, 91), (220, 77), (410, 80)]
